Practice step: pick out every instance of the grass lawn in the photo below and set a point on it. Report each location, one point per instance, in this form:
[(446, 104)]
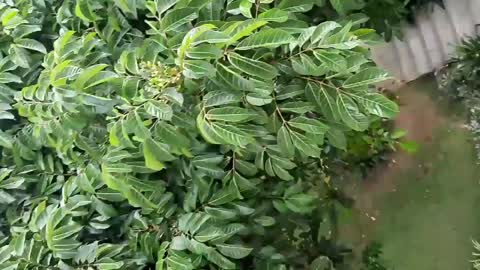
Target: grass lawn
[(425, 211)]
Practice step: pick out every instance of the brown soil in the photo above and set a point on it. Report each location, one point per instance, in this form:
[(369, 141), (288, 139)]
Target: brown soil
[(419, 117)]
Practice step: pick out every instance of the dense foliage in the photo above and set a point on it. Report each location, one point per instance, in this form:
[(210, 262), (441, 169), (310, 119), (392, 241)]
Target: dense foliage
[(176, 134), (460, 80), (387, 17)]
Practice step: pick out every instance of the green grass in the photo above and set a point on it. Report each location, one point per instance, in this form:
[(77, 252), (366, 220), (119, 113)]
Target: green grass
[(428, 223)]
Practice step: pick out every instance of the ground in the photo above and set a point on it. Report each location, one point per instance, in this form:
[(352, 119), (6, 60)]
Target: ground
[(422, 207)]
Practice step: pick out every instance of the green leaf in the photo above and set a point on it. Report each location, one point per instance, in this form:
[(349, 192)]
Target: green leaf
[(350, 113), (243, 29), (284, 141), (197, 69), (230, 114), (365, 77), (322, 31), (171, 135), (380, 105), (159, 109), (87, 74), (20, 244), (6, 198), (265, 221), (296, 5), (232, 79), (209, 234), (19, 56), (258, 100), (155, 154), (281, 172), (300, 203), (344, 6), (84, 183), (337, 138), (212, 37), (296, 107), (245, 8), (164, 5), (231, 134), (205, 51), (84, 11), (274, 15), (270, 38), (304, 145), (178, 17), (127, 6), (177, 262), (221, 213), (220, 260), (104, 209), (309, 125), (223, 196), (205, 129), (253, 67), (234, 251), (8, 15), (410, 147), (303, 38), (64, 232), (179, 243), (31, 44), (304, 65), (6, 140), (129, 60), (245, 168), (332, 61), (218, 98), (113, 135), (137, 199), (189, 38), (6, 77), (324, 97)]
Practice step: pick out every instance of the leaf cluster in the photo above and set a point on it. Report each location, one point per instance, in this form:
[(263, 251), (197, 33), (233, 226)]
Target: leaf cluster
[(387, 17), (169, 134)]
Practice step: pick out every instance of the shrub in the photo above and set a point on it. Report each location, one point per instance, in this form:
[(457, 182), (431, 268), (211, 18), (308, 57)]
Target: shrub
[(460, 80), (372, 257), (387, 17), (172, 133)]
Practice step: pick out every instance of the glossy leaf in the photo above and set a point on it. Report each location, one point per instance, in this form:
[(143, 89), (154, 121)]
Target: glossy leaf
[(270, 38), (253, 67)]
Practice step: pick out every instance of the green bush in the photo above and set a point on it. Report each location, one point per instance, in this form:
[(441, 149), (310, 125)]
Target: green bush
[(387, 17), (460, 77), (373, 257), (460, 80), (175, 133)]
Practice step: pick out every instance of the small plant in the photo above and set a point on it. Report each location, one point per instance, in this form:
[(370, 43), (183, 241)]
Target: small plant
[(372, 257), (368, 149), (476, 254), (460, 80)]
